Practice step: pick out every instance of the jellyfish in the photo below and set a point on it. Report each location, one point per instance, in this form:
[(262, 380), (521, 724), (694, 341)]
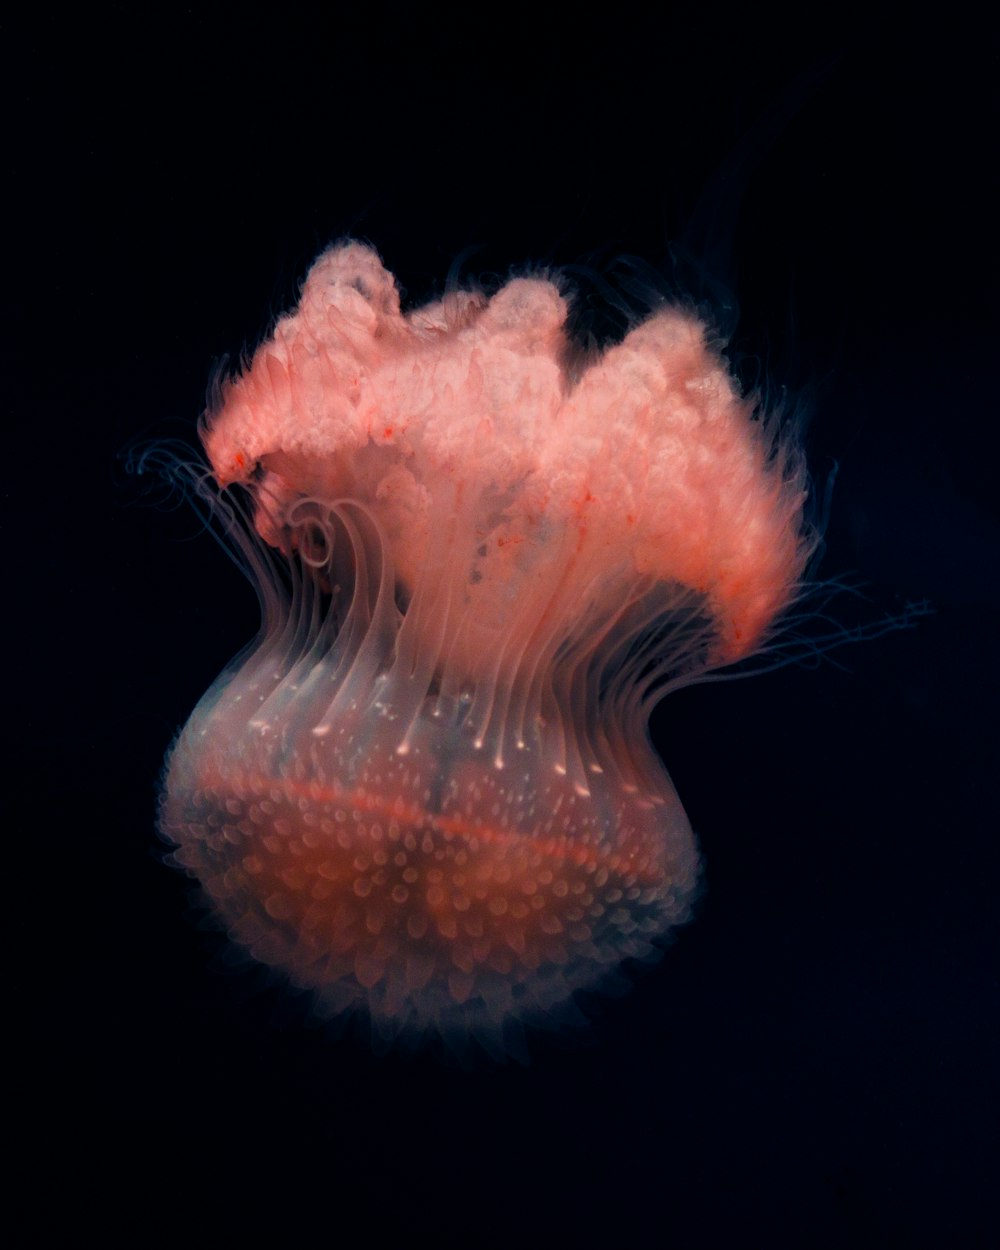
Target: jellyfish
[(427, 792)]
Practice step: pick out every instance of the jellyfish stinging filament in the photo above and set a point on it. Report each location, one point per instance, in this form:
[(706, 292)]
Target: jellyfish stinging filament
[(482, 555)]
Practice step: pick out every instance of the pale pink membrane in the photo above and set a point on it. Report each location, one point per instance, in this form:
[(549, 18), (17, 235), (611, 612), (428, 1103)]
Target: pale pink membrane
[(429, 789)]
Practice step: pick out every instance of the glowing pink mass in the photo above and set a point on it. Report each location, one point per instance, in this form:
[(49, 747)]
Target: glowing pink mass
[(483, 553)]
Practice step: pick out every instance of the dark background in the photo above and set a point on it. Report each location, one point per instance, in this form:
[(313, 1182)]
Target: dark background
[(813, 1063)]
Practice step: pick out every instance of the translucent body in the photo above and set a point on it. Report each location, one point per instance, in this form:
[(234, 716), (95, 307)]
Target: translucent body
[(441, 890), (428, 788)]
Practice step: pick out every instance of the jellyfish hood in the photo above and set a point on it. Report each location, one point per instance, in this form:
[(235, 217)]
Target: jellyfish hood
[(428, 791)]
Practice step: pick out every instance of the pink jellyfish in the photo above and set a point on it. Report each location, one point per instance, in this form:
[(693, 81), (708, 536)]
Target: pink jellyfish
[(428, 789)]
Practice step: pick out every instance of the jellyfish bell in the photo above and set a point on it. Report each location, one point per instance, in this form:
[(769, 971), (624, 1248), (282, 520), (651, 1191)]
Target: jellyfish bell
[(428, 790)]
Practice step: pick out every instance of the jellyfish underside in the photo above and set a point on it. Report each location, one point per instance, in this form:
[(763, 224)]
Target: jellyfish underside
[(427, 791)]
